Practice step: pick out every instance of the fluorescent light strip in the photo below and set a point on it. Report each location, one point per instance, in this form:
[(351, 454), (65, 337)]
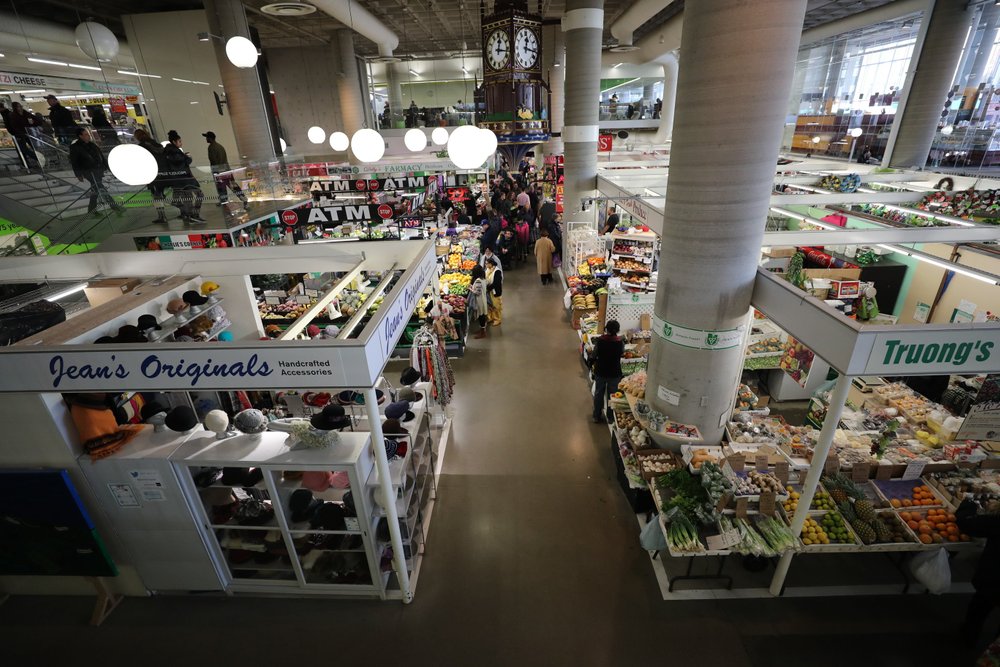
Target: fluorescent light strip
[(90, 67), (803, 218), (982, 276), (151, 76), (79, 287), (43, 61), (174, 78), (299, 325)]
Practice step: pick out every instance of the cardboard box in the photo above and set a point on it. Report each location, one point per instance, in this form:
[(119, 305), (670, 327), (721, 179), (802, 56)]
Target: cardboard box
[(833, 274), (102, 291), (645, 322), (788, 251)]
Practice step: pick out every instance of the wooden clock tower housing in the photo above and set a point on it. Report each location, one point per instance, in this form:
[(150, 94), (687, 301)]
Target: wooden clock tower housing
[(515, 92)]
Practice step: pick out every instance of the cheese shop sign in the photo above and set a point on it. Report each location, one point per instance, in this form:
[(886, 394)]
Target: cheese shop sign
[(935, 352)]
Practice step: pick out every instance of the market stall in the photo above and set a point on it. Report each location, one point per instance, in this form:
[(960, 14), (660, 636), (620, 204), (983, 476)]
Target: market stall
[(288, 465)]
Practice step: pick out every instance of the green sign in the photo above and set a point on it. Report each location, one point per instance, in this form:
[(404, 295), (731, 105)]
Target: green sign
[(700, 339), (935, 352)]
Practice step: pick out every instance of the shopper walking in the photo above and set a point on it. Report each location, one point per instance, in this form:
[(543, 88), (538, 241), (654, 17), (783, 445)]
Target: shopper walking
[(494, 294), (986, 579), (185, 191), (108, 134), (544, 250), (477, 304), (607, 366), (62, 120), (223, 176), (18, 123), (89, 165), (158, 185)]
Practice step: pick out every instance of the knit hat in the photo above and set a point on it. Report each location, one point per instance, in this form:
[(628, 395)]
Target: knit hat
[(250, 421), (181, 419)]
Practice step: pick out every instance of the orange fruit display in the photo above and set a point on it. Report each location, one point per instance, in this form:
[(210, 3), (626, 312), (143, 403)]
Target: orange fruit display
[(934, 526)]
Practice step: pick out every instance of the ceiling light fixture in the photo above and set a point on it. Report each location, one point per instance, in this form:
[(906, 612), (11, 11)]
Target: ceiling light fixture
[(413, 73), (43, 61), (151, 76), (90, 67), (174, 78), (981, 276), (241, 52), (69, 291)]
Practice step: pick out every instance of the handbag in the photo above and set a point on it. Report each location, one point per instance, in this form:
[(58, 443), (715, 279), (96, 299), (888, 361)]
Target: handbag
[(556, 262)]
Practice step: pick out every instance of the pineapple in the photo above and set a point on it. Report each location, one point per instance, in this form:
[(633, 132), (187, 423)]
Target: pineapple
[(865, 510), (864, 531), (838, 494), (882, 531), (847, 511)]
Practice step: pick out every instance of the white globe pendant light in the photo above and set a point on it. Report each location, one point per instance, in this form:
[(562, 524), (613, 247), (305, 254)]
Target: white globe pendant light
[(132, 164), (415, 140), (339, 141), (489, 140), (439, 136), (947, 130), (96, 41), (465, 147), (316, 134), (283, 144), (241, 52), (367, 145), (856, 132)]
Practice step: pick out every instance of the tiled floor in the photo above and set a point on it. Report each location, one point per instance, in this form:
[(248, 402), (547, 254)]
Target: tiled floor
[(533, 559)]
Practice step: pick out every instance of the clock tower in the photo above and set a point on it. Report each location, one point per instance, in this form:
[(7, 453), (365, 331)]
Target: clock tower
[(515, 92)]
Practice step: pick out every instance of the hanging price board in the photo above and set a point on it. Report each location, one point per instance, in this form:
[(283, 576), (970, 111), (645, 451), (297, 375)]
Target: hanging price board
[(741, 507), (781, 471), (767, 499), (914, 469), (860, 472)]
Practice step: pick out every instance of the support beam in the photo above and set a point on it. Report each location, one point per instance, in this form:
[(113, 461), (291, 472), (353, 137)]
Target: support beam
[(718, 195)]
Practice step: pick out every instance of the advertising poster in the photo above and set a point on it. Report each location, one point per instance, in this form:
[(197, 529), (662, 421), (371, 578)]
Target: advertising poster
[(183, 242), (797, 361), (983, 420)]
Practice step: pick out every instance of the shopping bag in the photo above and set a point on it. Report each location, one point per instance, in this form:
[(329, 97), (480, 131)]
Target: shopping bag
[(933, 570), (651, 538), (567, 299), (556, 261)]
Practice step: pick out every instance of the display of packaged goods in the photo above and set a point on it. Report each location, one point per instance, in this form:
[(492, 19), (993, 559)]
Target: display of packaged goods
[(751, 451), (769, 346), (697, 455), (752, 430), (953, 485), (655, 463)]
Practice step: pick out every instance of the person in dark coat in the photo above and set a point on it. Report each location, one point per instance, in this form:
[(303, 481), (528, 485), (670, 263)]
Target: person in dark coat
[(157, 187), (62, 120), (89, 165), (187, 194), (607, 365), (103, 126), (986, 579), (18, 122)]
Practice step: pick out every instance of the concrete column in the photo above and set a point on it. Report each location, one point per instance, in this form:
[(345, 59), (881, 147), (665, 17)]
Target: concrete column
[(247, 102), (555, 66), (583, 24), (718, 195), (935, 66), (396, 104), (352, 104), (977, 73)]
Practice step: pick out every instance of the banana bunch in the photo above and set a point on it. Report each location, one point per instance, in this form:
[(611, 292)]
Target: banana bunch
[(584, 302)]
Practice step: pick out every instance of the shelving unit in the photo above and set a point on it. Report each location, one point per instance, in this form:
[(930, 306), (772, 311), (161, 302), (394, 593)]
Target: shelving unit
[(288, 544), (628, 252)]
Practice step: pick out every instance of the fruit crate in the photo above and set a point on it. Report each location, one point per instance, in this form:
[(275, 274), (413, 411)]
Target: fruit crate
[(902, 491), (648, 457), (750, 451), (899, 527), (744, 474), (688, 452), (849, 542), (790, 505), (934, 517)]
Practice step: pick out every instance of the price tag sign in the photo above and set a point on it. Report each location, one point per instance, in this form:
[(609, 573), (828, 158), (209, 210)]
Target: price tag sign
[(860, 472), (741, 507), (781, 471), (760, 462), (883, 472), (832, 465), (723, 540), (723, 501), (914, 469), (737, 462), (767, 503)]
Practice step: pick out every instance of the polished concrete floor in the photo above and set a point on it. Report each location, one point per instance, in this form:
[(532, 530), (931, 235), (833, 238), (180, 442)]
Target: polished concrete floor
[(532, 559)]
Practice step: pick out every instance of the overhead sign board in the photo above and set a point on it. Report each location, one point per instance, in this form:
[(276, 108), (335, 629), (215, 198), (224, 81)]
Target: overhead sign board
[(52, 83), (368, 184), (938, 351), (337, 215)]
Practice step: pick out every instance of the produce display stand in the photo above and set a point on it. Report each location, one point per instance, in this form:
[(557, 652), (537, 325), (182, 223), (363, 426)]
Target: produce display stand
[(63, 358)]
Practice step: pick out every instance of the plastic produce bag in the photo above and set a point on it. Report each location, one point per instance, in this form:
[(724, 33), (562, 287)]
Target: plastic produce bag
[(933, 570), (567, 299), (651, 538)]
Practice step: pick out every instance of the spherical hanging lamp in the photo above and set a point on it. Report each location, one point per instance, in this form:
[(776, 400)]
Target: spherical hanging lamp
[(241, 52), (816, 140), (339, 141), (415, 140), (316, 134), (856, 132), (367, 145), (465, 147), (284, 145), (96, 41), (132, 164), (947, 130), (489, 140), (439, 136)]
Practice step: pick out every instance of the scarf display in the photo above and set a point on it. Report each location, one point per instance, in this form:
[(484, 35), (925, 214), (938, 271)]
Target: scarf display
[(429, 357)]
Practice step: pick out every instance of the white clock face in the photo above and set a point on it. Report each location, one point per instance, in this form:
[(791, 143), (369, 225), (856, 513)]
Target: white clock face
[(498, 49), (526, 48)]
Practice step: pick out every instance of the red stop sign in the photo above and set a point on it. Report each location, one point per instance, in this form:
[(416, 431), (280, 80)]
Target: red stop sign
[(361, 184), (373, 185), (290, 217), (385, 211)]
